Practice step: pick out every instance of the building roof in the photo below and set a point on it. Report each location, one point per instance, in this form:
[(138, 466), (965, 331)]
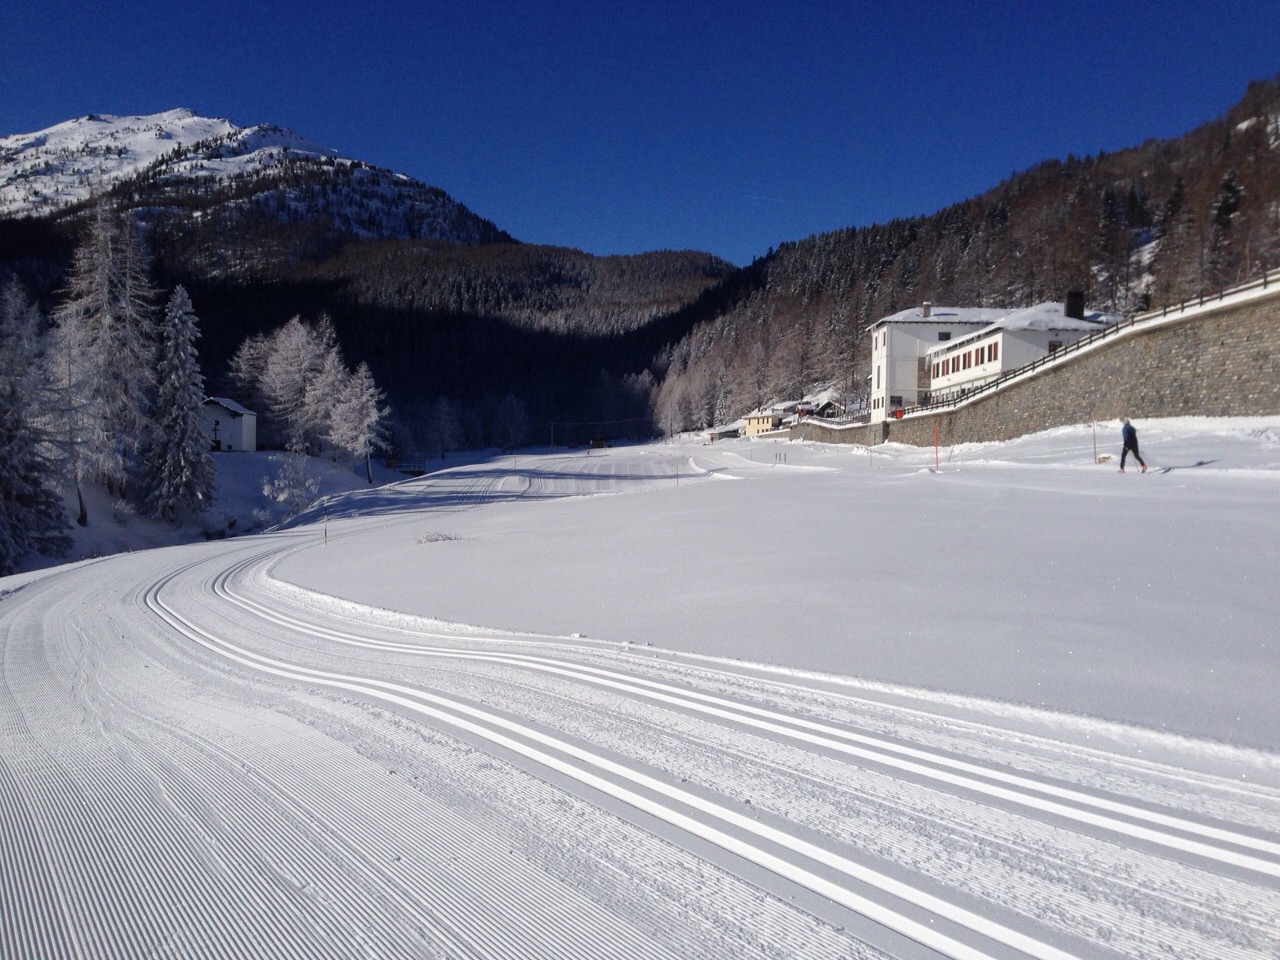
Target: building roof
[(1043, 316), (1051, 316), (232, 406), (979, 316)]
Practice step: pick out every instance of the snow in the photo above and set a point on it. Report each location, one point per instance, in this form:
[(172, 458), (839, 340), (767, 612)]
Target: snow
[(675, 699), (1050, 316), (52, 168), (1018, 571), (941, 314)]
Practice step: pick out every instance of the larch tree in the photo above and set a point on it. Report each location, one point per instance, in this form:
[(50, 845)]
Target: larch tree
[(358, 418), (105, 333), (293, 361), (180, 470)]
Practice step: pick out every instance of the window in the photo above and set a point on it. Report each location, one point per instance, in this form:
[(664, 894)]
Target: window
[(895, 401), (944, 335), (995, 351)]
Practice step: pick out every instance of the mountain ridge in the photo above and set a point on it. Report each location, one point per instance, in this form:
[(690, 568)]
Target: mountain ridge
[(444, 305), (173, 163)]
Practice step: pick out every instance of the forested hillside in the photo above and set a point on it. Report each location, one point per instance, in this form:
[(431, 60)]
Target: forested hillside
[(481, 345), (479, 339), (1139, 228)]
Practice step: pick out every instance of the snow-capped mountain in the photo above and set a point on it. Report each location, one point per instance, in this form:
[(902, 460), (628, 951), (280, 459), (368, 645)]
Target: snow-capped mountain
[(50, 169), (179, 169)]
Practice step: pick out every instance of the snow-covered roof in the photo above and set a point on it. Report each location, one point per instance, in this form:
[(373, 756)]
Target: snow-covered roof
[(945, 315), (232, 406), (818, 397), (1043, 317), (1051, 316)]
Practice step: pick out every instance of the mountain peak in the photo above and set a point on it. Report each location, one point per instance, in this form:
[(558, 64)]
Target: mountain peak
[(215, 177), (51, 169)]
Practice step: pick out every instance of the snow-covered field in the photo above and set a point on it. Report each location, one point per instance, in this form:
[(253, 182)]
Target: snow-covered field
[(750, 699)]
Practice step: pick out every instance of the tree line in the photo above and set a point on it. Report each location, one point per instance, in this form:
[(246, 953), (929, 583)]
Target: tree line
[(1141, 228), (109, 390)]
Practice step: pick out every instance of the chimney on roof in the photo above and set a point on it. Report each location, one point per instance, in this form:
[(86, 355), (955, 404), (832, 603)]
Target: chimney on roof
[(1075, 305), (926, 309)]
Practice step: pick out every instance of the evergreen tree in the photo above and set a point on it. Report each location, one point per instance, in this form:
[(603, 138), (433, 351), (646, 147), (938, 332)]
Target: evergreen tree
[(31, 512), (180, 470), (512, 426), (444, 431)]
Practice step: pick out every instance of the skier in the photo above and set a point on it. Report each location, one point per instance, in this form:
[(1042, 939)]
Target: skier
[(1130, 437)]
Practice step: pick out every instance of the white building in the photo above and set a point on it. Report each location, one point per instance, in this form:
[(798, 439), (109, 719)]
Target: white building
[(899, 377), (230, 426), (1013, 341)]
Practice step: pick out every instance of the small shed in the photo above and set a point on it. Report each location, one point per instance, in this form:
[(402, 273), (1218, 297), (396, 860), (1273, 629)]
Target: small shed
[(828, 408), (230, 426)]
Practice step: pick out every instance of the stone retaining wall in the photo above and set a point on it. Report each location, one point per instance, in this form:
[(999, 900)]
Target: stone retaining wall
[(1216, 361)]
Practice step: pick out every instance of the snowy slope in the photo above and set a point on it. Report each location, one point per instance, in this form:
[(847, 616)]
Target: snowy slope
[(47, 170), (751, 699), (170, 158)]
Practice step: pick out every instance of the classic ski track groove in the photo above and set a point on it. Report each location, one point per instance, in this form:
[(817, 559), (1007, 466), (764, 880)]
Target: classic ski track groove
[(1204, 840), (66, 908), (711, 822), (87, 905)]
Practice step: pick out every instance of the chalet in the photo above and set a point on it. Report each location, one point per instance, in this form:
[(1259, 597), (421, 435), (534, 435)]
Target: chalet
[(230, 426)]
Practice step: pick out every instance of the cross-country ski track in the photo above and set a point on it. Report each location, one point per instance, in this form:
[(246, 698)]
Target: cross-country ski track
[(203, 759)]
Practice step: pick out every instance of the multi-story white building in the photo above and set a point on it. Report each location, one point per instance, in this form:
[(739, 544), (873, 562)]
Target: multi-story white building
[(1012, 341), (899, 377)]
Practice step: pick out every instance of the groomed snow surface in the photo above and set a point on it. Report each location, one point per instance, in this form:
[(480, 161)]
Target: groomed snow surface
[(749, 699)]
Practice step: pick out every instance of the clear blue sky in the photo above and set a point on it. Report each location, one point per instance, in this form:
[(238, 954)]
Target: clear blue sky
[(621, 127)]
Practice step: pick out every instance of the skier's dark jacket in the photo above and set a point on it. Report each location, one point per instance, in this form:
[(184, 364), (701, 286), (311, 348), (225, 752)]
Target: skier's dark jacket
[(1130, 436)]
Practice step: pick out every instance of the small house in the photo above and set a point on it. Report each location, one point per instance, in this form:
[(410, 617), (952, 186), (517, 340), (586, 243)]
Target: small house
[(230, 426), (761, 421)]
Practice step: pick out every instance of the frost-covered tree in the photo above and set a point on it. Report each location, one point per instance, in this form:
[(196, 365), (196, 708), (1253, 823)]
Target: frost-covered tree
[(324, 393), (292, 489), (359, 417), (287, 375), (31, 513), (298, 375), (104, 351), (180, 470), (245, 371)]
